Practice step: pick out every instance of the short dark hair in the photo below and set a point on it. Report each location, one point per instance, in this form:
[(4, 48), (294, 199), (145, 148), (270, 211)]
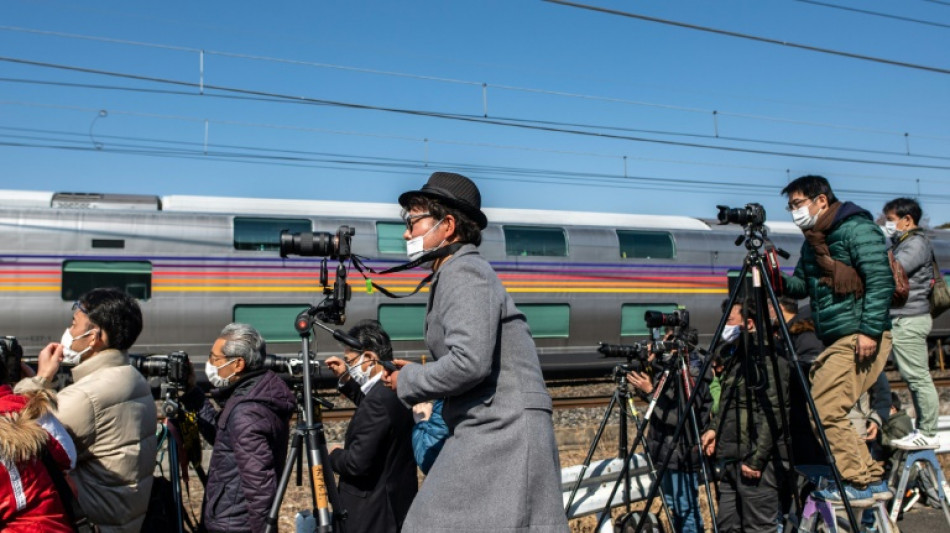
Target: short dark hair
[(789, 304), (466, 229), (373, 338), (903, 207), (117, 313), (895, 401), (810, 186)]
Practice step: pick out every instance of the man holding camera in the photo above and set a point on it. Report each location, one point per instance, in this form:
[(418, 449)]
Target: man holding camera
[(844, 270), (747, 433), (680, 482), (376, 465), (249, 433), (108, 410)]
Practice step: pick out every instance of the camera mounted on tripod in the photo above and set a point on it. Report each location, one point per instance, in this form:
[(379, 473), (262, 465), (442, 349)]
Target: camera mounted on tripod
[(173, 370), (338, 247)]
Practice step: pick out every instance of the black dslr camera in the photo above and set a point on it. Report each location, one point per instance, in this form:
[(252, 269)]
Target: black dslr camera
[(12, 355), (750, 215), (318, 244), (173, 367), (676, 319)]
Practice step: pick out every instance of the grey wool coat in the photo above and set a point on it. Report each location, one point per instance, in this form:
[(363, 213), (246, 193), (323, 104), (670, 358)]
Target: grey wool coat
[(498, 470)]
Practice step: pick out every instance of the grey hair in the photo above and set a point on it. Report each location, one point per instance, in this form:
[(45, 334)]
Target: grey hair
[(244, 341)]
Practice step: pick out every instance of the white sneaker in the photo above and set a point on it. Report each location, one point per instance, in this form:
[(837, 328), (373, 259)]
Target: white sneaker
[(916, 441)]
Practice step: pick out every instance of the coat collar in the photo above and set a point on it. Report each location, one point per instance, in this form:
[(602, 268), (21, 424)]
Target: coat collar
[(104, 359)]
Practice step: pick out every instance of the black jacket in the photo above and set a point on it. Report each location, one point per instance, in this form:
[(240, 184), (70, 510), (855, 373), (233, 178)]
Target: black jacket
[(250, 437), (666, 416), (377, 468), (749, 425)]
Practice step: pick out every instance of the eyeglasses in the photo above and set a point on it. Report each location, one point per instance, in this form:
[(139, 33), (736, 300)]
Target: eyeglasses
[(411, 219), (796, 204), (78, 306)]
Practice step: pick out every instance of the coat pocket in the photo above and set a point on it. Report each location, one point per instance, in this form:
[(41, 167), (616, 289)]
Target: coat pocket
[(538, 400)]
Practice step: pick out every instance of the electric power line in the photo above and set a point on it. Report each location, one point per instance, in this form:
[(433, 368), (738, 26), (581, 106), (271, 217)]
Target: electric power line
[(768, 40), (516, 123), (874, 13)]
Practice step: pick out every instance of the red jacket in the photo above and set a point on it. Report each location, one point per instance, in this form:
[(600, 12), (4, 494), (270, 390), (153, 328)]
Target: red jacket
[(28, 498)]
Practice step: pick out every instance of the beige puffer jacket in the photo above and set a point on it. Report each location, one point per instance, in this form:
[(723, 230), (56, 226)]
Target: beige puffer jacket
[(111, 416)]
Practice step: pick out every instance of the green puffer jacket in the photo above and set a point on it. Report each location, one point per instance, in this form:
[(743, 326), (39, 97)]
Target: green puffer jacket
[(855, 241)]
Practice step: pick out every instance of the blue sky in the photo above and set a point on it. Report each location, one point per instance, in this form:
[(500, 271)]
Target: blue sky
[(580, 109)]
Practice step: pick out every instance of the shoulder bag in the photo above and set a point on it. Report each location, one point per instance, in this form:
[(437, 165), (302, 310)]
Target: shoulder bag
[(940, 295)]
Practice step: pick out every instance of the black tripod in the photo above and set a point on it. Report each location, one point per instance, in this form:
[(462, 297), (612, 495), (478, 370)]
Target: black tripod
[(175, 421), (755, 238), (309, 431), (621, 397), (675, 363)]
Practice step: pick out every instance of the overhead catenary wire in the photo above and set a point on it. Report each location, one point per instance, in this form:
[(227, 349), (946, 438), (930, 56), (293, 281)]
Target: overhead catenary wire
[(202, 120), (442, 79), (461, 117), (874, 13), (750, 37)]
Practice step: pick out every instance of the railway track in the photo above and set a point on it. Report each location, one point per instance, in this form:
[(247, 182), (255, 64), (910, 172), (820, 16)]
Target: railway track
[(591, 402)]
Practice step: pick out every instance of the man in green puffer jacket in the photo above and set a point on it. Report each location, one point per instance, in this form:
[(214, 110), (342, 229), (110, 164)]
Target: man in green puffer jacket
[(844, 270)]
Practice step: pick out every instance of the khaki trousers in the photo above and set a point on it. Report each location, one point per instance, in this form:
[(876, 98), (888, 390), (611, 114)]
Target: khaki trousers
[(837, 381)]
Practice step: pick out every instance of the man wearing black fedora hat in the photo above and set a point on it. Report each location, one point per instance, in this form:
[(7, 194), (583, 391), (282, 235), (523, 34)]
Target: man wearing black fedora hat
[(498, 469)]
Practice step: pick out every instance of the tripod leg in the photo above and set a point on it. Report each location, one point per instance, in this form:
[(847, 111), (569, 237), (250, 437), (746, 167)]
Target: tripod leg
[(787, 338), (292, 455), (590, 453), (176, 479), (683, 392)]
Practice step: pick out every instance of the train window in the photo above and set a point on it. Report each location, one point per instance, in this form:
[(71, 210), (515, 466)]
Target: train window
[(527, 240), (403, 322), (548, 321), (733, 279), (389, 237), (646, 244), (631, 317), (263, 234), (134, 277), (275, 322)]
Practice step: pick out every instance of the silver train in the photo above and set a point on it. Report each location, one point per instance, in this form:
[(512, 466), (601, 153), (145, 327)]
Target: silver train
[(197, 263)]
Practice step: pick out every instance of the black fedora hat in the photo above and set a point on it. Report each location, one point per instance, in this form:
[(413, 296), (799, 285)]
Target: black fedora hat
[(454, 190)]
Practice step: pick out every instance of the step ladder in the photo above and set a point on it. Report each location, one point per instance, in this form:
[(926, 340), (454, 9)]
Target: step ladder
[(929, 467), (833, 515)]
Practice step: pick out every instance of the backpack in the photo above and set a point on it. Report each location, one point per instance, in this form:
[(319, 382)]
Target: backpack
[(901, 283)]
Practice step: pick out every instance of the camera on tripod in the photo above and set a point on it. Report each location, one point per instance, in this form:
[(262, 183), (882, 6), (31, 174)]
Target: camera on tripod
[(290, 364), (318, 244), (676, 319), (172, 368), (12, 354), (750, 215)]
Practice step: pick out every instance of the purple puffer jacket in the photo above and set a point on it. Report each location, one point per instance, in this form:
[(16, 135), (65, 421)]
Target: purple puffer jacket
[(250, 437)]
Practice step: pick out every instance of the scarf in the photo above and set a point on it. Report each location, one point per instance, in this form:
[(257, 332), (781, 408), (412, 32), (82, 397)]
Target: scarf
[(842, 278)]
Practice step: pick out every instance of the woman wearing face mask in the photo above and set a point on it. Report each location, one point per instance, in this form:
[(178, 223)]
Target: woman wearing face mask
[(249, 433), (376, 465), (486, 368)]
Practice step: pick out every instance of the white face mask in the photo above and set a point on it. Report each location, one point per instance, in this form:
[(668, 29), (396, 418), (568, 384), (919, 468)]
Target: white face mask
[(730, 333), (415, 247), (803, 219), (357, 374), (212, 372), (890, 228), (70, 356)]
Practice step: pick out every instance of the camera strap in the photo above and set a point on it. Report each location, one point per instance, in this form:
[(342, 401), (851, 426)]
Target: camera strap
[(431, 256)]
